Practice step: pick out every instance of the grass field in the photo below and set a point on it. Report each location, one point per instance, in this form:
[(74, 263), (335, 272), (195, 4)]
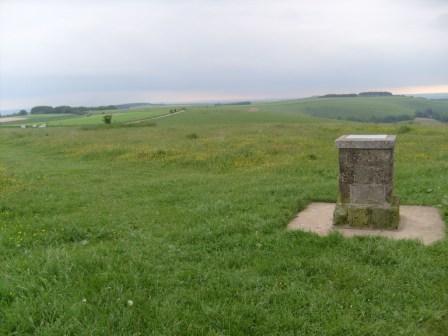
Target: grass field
[(364, 108), (179, 229), (118, 117)]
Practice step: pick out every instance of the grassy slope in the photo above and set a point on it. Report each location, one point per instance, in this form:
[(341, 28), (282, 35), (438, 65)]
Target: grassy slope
[(363, 108), (360, 108), (193, 231), (119, 116)]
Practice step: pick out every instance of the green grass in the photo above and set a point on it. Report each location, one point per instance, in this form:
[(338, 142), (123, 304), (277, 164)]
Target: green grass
[(46, 117), (119, 116), (371, 109), (361, 108), (94, 118), (192, 230)]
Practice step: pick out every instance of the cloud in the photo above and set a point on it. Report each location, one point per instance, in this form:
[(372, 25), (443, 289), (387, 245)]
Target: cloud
[(442, 21), (65, 49)]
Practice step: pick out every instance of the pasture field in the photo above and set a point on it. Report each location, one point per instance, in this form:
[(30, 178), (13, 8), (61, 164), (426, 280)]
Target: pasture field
[(118, 116), (179, 228), (94, 118), (363, 108)]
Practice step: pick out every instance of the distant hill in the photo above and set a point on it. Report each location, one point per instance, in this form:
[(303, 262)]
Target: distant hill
[(133, 105), (441, 96), (375, 94), (371, 109), (339, 95), (361, 94), (234, 103)]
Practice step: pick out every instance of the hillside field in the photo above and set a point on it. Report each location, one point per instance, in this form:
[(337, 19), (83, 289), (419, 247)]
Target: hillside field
[(90, 119), (178, 227), (365, 109), (362, 109)]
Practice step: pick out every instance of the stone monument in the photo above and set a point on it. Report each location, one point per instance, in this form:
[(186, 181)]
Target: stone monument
[(366, 167)]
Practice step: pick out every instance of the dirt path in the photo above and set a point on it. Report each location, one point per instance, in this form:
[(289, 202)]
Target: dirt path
[(426, 121), (153, 118), (10, 119)]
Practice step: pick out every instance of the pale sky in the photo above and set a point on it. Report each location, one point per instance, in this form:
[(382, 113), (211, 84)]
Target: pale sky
[(93, 52)]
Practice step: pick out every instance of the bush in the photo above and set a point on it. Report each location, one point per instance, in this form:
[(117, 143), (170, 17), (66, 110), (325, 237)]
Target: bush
[(107, 119)]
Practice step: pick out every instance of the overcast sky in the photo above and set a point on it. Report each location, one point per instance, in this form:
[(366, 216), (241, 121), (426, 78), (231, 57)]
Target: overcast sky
[(109, 51)]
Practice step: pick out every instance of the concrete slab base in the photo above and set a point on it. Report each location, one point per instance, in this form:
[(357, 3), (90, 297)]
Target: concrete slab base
[(420, 223)]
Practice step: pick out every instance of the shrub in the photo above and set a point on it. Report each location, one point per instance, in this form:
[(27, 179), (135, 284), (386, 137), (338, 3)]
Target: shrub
[(107, 119)]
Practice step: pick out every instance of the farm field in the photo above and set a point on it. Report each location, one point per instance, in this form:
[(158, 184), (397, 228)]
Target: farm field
[(118, 117), (370, 109), (178, 227), (363, 109)]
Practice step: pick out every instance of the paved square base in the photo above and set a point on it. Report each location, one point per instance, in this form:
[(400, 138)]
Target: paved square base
[(416, 222)]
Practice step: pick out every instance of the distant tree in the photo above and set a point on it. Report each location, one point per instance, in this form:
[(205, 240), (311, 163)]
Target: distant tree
[(42, 109), (375, 94), (235, 103), (22, 112), (337, 95), (428, 113), (102, 108), (62, 109)]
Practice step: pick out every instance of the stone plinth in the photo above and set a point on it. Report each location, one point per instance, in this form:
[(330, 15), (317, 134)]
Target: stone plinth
[(366, 200)]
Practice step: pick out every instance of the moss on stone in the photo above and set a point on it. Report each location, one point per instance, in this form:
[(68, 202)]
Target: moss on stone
[(359, 216), (379, 217), (385, 218), (340, 216)]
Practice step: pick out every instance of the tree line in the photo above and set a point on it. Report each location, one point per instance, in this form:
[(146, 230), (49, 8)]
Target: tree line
[(431, 114), (361, 94), (64, 109), (426, 113)]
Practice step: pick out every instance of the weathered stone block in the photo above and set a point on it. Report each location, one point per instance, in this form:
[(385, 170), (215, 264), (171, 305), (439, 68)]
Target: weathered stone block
[(366, 182), (384, 218), (358, 216), (340, 216)]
